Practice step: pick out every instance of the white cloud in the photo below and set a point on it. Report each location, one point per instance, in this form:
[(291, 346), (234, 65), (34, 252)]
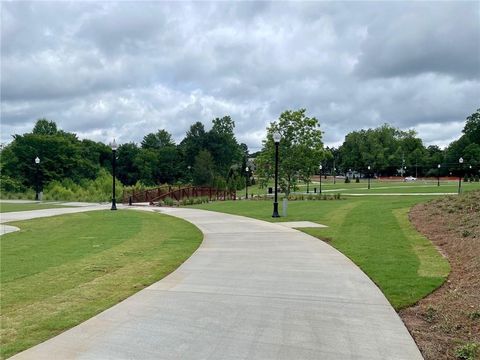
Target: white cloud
[(121, 70)]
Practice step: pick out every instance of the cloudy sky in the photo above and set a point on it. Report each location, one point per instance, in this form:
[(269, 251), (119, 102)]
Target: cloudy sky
[(123, 69)]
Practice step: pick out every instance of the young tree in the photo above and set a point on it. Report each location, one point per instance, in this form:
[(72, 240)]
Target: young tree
[(300, 150)]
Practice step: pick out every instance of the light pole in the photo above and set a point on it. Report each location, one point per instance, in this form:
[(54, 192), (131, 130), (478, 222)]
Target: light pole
[(113, 145), (246, 183), (276, 139), (438, 174), (460, 161), (320, 167), (368, 177), (37, 185), (334, 174)]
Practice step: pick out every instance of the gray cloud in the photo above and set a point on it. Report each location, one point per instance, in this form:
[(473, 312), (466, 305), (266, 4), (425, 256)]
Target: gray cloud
[(122, 69)]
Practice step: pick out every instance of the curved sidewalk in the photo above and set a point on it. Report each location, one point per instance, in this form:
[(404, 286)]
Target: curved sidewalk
[(253, 290)]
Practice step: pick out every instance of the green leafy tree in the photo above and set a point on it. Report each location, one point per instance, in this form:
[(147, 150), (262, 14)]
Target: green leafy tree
[(203, 169), (127, 169), (300, 150), (45, 127), (472, 127), (160, 139)]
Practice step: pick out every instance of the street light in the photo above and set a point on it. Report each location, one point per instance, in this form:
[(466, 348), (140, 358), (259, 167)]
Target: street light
[(113, 145), (438, 174), (246, 182), (460, 161), (334, 175), (320, 167), (368, 177), (276, 139), (37, 185)]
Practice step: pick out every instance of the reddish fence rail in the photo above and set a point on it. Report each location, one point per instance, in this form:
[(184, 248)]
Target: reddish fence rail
[(158, 194)]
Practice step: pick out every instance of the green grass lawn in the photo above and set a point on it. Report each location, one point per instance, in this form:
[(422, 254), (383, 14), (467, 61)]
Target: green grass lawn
[(59, 271), (372, 231), (376, 186), (10, 207)]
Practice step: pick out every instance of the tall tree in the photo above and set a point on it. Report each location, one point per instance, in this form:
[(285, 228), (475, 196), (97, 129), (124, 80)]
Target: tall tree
[(204, 169)]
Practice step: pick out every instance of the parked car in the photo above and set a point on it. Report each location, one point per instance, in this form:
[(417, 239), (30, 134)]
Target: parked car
[(410, 178)]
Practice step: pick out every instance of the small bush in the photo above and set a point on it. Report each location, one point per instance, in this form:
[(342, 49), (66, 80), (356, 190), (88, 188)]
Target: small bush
[(357, 179), (467, 351), (347, 180), (168, 201), (477, 178)]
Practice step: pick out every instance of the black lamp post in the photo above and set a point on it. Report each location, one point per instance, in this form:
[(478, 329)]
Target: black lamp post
[(438, 174), (246, 182), (276, 139), (460, 161), (334, 173), (113, 145), (320, 168), (368, 177), (37, 179)]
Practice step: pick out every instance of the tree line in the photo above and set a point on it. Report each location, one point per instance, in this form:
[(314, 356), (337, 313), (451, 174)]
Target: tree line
[(212, 158), (215, 158)]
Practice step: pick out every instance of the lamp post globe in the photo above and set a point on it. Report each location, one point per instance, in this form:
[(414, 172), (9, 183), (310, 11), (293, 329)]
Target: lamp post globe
[(37, 179), (114, 147), (276, 139)]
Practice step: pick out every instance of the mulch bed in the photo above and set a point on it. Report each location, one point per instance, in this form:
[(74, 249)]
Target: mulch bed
[(446, 324)]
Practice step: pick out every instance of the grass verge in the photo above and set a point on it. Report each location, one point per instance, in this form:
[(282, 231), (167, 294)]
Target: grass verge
[(57, 272), (11, 207), (372, 231)]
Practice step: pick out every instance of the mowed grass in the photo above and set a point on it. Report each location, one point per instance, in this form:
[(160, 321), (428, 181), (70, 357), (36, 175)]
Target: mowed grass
[(11, 207), (376, 186), (374, 232), (59, 271)]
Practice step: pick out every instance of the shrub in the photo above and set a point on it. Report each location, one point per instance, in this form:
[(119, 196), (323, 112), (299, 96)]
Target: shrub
[(9, 185), (168, 201), (477, 178), (347, 180), (357, 179)]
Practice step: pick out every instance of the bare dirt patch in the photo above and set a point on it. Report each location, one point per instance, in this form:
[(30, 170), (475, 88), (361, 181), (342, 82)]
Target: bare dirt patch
[(446, 324)]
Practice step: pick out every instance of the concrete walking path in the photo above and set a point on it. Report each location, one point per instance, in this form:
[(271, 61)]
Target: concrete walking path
[(253, 290)]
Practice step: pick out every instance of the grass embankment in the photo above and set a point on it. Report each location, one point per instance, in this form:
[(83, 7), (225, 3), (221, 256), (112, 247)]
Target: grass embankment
[(446, 324), (372, 231), (59, 271), (11, 207)]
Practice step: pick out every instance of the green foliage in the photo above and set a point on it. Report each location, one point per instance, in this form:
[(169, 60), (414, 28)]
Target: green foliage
[(384, 149), (300, 149), (10, 185), (98, 190), (467, 351), (204, 169), (61, 156)]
